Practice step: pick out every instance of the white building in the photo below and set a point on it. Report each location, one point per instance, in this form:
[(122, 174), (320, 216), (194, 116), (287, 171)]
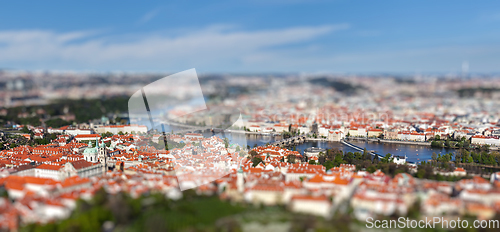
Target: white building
[(399, 159), (315, 205), (49, 171), (115, 129)]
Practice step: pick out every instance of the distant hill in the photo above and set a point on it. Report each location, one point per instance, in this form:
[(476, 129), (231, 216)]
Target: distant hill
[(340, 86)]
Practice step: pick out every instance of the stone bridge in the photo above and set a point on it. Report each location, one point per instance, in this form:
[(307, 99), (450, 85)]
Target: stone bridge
[(290, 141)]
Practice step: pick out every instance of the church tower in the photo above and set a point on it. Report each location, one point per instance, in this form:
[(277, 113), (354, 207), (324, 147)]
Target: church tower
[(240, 180), (102, 156)]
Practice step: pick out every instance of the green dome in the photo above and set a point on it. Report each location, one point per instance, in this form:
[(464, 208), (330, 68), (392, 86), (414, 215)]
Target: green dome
[(90, 150)]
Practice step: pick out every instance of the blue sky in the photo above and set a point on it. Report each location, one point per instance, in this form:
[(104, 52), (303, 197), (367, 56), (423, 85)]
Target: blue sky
[(251, 36)]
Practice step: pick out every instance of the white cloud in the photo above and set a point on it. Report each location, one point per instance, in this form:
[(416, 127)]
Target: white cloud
[(148, 16), (213, 48), (229, 48)]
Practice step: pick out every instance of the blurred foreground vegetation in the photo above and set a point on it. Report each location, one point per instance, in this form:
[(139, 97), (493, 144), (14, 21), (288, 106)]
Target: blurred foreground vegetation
[(193, 212)]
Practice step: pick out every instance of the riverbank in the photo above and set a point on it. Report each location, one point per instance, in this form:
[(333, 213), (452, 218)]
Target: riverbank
[(317, 140), (405, 142), (253, 133), (391, 141)]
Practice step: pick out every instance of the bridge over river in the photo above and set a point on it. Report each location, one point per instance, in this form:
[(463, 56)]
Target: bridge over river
[(290, 141), (360, 149)]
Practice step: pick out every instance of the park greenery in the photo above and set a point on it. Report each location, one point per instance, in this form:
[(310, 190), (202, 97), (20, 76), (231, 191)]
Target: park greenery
[(13, 140), (457, 143), (83, 109)]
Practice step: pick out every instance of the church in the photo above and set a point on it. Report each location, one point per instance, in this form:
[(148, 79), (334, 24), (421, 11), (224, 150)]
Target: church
[(97, 154)]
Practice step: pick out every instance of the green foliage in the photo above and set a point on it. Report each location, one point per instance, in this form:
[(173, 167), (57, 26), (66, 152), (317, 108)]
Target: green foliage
[(434, 156), (253, 153), (128, 214), (83, 109), (387, 159), (25, 130), (107, 134), (329, 165), (437, 144), (43, 141), (371, 169), (256, 160), (34, 121), (56, 123)]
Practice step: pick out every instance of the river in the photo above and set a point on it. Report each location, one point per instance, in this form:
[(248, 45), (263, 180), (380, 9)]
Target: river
[(414, 153)]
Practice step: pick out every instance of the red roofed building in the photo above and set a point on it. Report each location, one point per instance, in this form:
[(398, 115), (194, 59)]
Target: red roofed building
[(304, 170), (266, 192), (83, 169), (459, 172), (74, 183), (49, 171), (85, 137)]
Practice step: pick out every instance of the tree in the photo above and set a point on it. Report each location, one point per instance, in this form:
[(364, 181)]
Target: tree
[(328, 165), (458, 156), (256, 160), (107, 134), (25, 130), (470, 160), (338, 160), (371, 169), (349, 157), (437, 137), (447, 143), (387, 159), (434, 156), (253, 153), (56, 122), (312, 162)]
